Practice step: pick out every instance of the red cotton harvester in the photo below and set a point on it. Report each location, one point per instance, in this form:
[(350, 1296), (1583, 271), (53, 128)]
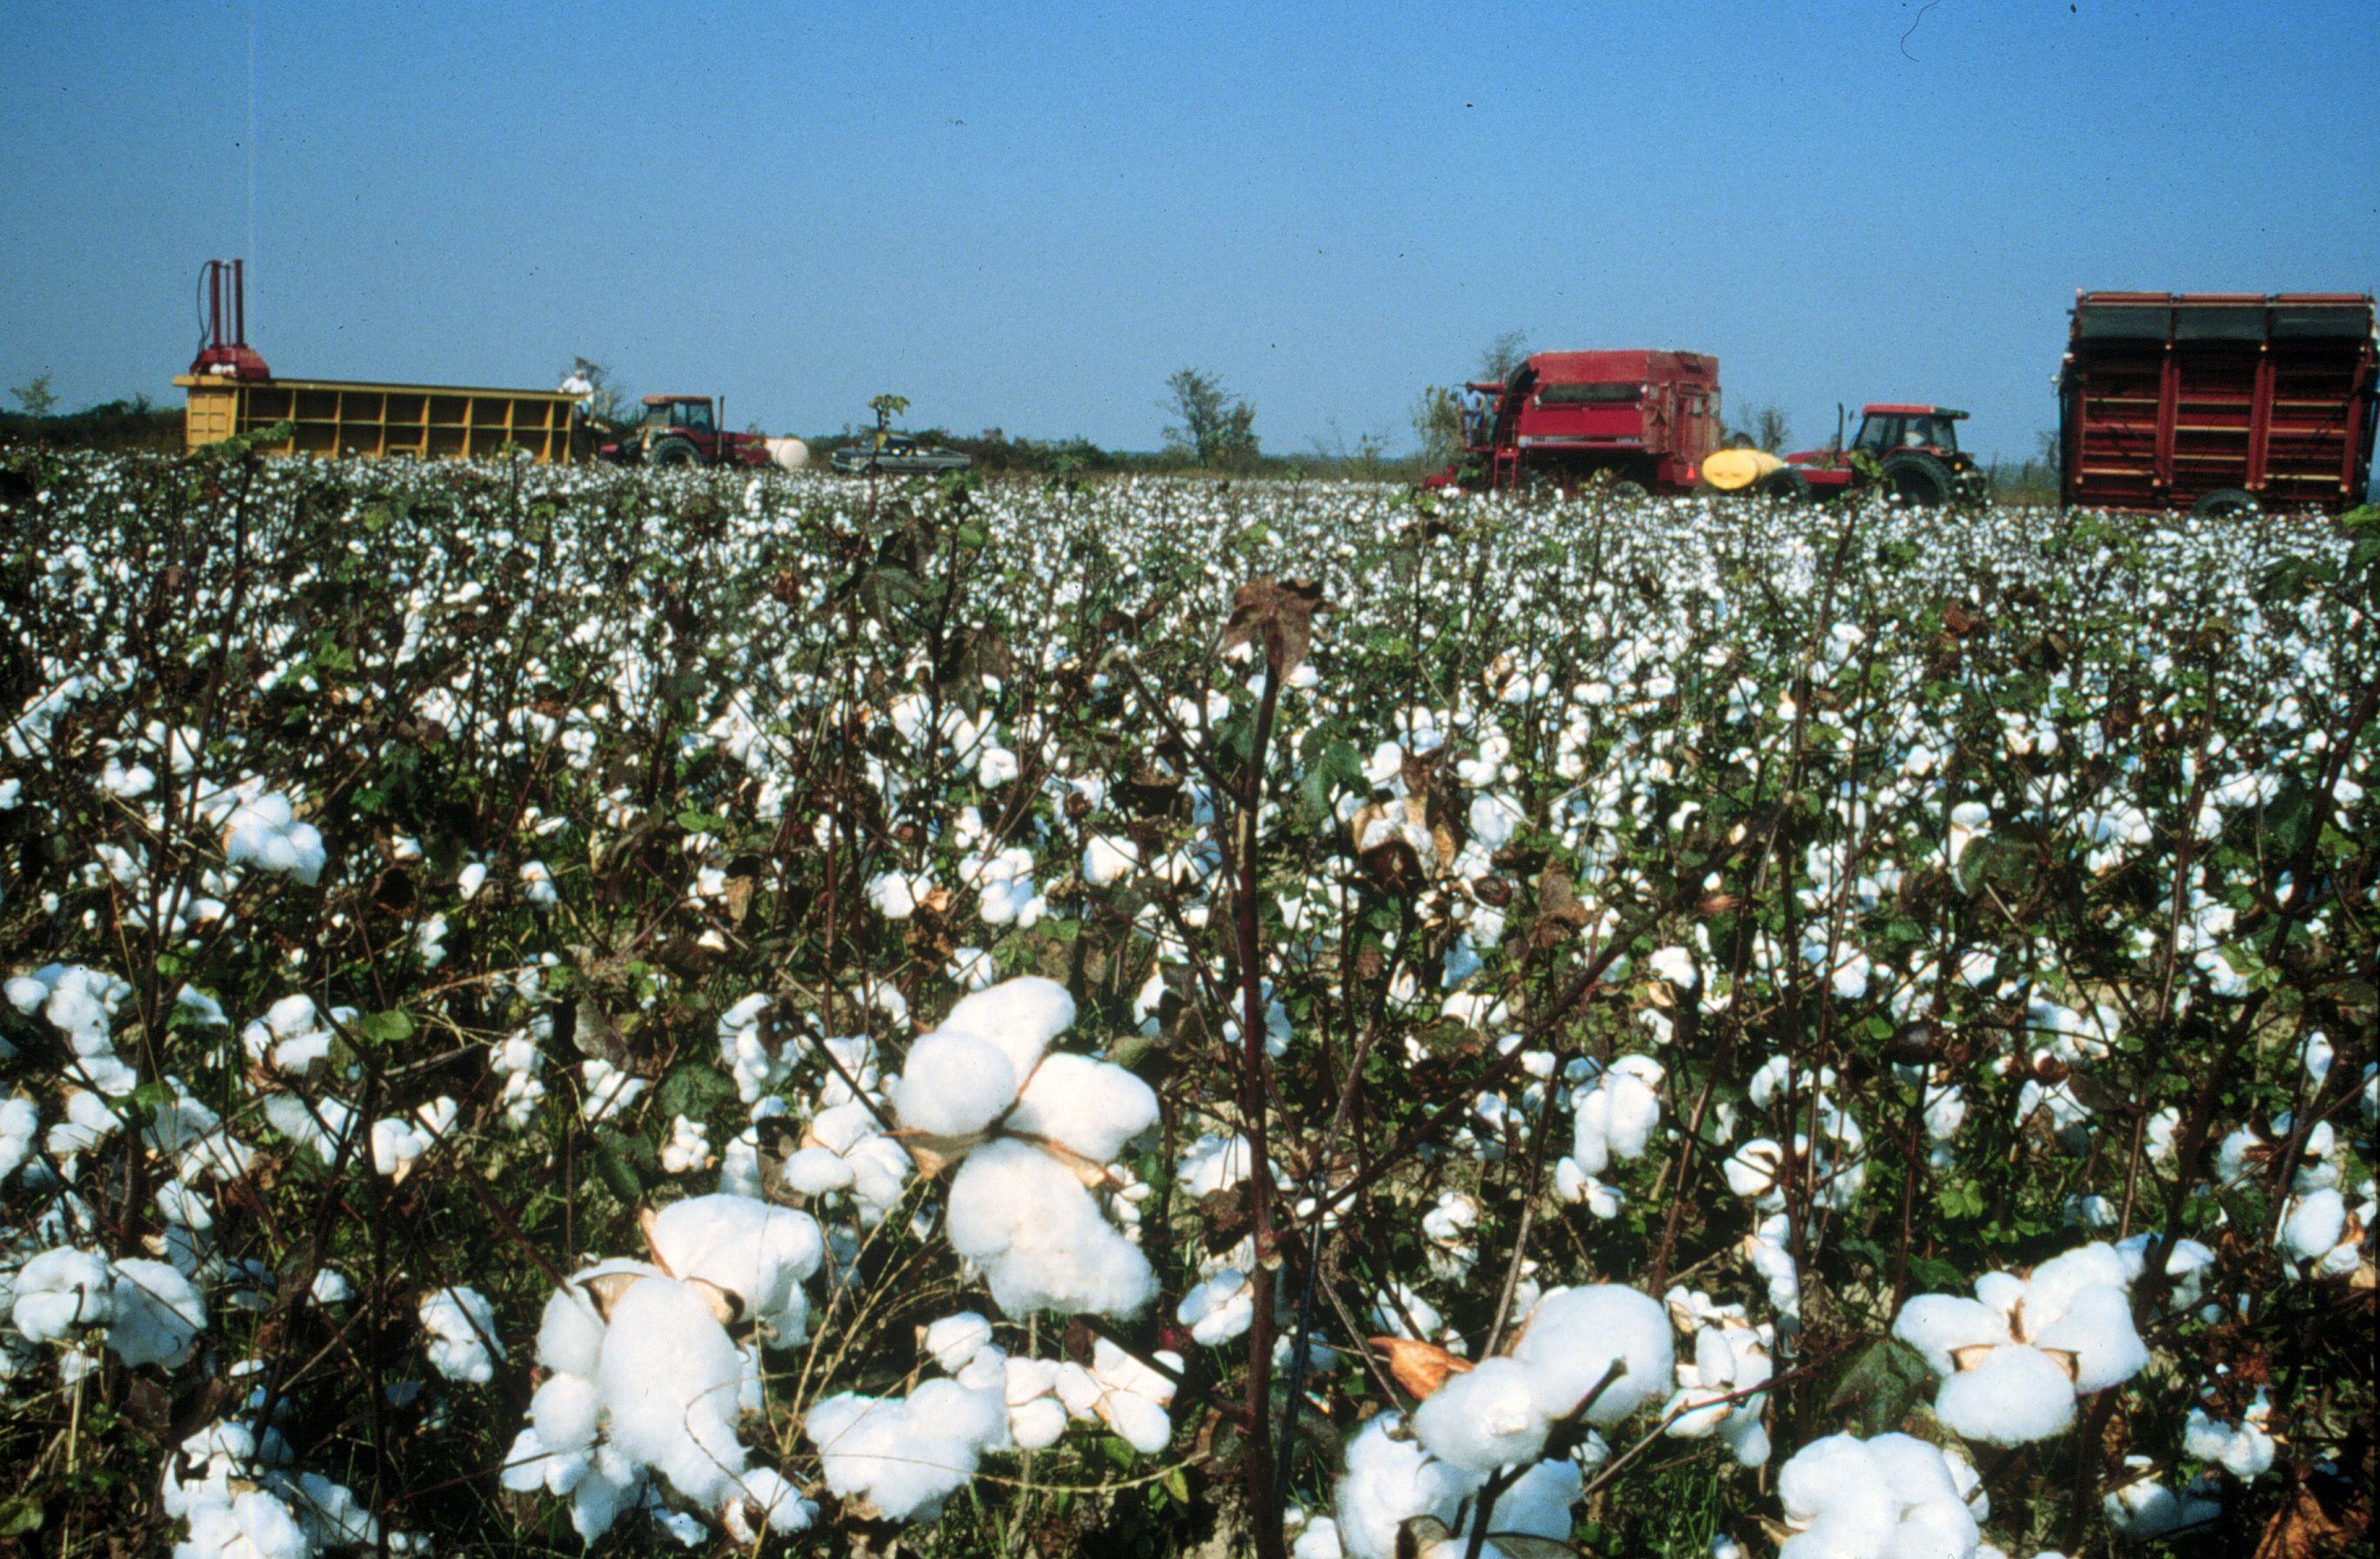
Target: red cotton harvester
[(1640, 421)]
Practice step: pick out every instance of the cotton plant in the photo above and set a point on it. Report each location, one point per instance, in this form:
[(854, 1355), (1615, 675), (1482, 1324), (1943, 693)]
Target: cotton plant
[(1716, 1394)]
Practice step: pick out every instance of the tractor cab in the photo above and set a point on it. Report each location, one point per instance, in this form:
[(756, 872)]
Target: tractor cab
[(1933, 428), (1910, 451), (681, 414)]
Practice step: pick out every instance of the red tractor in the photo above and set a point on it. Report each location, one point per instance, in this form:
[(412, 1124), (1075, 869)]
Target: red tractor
[(684, 431), (1911, 451)]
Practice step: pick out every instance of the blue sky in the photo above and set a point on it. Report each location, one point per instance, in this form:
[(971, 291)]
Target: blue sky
[(1028, 215)]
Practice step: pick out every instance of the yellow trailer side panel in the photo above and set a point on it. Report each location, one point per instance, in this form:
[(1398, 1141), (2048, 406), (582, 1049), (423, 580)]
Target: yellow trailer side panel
[(334, 418)]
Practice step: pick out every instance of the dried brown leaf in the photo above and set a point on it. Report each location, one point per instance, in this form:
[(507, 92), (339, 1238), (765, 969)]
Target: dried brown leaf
[(1421, 1368), (1276, 616)]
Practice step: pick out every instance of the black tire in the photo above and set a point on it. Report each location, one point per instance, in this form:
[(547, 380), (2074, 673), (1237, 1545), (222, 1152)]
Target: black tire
[(671, 452), (1974, 489), (1787, 486), (1626, 492), (2225, 503), (1918, 479)]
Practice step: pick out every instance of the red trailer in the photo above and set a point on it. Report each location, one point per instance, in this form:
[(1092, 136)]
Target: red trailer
[(1642, 421), (2218, 403)]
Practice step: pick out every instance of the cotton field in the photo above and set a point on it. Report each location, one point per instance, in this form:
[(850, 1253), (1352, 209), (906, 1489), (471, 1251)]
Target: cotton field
[(553, 1007)]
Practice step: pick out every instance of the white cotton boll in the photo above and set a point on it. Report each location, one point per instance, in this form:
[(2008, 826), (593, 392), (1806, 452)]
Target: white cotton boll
[(59, 1292), (2144, 1509), (956, 1339), (20, 1122), (1484, 1419), (2316, 1223), (1094, 1107), (252, 1525), (1219, 1309), (1539, 1501), (956, 1084), (2016, 1394), (1040, 1238), (158, 1315), (1835, 1495), (1020, 1016), (759, 1253), (688, 1152), (888, 1453), (262, 832), (2054, 1283), (1389, 1482), (1318, 1538), (462, 1327), (570, 1331), (1038, 1424), (817, 1172), (1106, 859), (1213, 1163), (2097, 1330), (1917, 1473), (672, 1381), (565, 1413), (468, 881), (1937, 1324), (780, 1504), (1578, 1333)]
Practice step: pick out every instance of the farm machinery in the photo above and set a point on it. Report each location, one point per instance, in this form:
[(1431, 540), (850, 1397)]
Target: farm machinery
[(685, 430), (1911, 451), (1639, 421), (232, 391), (2218, 403)]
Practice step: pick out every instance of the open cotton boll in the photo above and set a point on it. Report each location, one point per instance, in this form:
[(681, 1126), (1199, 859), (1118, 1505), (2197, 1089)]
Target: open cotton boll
[(2314, 1225), (462, 1327), (1577, 1334), (60, 1292), (1041, 1241), (158, 1314), (565, 1412), (955, 1339), (759, 1253), (1094, 1107), (2097, 1330), (2016, 1394), (956, 1084), (2145, 1509), (672, 1380), (903, 1459), (264, 833), (1132, 1396), (1484, 1419), (1020, 1016), (1937, 1325), (1389, 1480), (1218, 1309)]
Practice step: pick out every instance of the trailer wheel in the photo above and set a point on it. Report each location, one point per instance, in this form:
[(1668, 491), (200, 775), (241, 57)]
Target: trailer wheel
[(1787, 486), (1625, 492), (1917, 479), (2225, 503), (671, 452)]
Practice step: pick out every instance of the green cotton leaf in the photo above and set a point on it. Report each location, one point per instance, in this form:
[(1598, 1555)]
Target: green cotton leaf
[(384, 1027), (616, 1163), (696, 1089), (1881, 1384)]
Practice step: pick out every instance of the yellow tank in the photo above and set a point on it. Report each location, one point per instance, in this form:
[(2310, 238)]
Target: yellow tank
[(1738, 471)]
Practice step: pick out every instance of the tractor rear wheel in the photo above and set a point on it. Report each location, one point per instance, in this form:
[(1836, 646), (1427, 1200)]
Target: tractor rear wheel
[(671, 452), (1917, 479), (1787, 486), (2225, 503)]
